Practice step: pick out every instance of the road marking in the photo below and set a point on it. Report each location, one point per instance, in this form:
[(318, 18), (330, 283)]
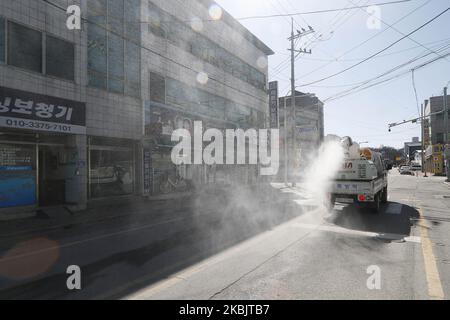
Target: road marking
[(340, 230), (433, 280), (394, 208)]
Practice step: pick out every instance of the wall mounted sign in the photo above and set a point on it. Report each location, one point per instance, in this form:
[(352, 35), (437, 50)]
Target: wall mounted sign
[(26, 110)]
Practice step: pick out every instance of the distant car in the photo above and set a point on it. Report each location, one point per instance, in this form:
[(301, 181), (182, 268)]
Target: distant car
[(416, 167), (406, 170)]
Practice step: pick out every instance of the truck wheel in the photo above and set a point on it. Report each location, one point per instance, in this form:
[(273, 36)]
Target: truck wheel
[(377, 203), (384, 197)]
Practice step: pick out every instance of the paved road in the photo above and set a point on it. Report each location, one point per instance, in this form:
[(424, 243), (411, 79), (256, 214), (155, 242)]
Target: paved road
[(327, 255), (234, 247), (148, 244)]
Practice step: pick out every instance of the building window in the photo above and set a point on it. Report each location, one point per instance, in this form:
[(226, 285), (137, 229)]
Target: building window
[(115, 64), (25, 50), (2, 40), (24, 47), (114, 55), (97, 57), (60, 58), (164, 25), (439, 138), (157, 88), (132, 69)]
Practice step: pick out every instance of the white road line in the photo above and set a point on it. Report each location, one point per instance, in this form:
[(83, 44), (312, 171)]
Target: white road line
[(340, 230), (394, 208)]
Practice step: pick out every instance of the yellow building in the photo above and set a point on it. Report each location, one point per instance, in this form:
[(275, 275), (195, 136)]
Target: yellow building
[(434, 159)]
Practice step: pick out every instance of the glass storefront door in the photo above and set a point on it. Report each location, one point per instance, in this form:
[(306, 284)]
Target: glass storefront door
[(111, 171), (57, 175)]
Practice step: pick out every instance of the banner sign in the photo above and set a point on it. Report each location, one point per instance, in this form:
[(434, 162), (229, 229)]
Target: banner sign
[(273, 104), (147, 171), (305, 129), (26, 110)]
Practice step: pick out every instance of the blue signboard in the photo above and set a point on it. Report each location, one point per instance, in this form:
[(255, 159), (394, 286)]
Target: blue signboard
[(17, 189)]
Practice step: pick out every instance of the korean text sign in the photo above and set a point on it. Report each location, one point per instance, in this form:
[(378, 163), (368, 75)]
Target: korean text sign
[(26, 110)]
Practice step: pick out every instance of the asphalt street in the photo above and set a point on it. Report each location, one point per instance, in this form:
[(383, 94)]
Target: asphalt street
[(239, 247)]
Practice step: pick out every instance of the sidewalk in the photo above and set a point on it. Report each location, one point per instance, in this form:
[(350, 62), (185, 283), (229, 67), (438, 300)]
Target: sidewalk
[(59, 217), (62, 218)]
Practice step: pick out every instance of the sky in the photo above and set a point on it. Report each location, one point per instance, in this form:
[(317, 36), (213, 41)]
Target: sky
[(343, 39)]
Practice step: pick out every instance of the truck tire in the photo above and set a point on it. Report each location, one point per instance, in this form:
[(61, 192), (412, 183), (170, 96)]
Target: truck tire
[(377, 203), (384, 197)]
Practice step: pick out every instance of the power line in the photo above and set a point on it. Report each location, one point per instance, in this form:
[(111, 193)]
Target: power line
[(415, 91), (318, 11), (380, 51), (395, 29), (348, 92), (379, 56), (355, 89), (365, 41), (362, 43), (155, 52)]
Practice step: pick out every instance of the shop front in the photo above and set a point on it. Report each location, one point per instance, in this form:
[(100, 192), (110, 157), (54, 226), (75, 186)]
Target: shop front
[(111, 167), (42, 158), (162, 176), (434, 159)]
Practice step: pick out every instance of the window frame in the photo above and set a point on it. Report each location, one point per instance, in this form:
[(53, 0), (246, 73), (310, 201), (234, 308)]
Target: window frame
[(74, 46), (128, 88), (5, 40), (44, 35), (150, 86)]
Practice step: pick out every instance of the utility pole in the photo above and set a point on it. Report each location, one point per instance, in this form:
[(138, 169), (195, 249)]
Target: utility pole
[(285, 144), (446, 137), (422, 121), (293, 125), (445, 117)]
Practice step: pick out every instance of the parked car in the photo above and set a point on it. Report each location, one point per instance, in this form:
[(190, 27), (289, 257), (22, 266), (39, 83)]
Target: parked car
[(406, 170), (416, 167)]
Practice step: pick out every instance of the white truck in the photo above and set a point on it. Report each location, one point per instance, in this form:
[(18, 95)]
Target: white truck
[(362, 178)]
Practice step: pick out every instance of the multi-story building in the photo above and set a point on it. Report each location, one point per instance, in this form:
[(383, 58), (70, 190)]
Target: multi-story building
[(434, 129), (86, 114), (309, 122), (200, 65), (434, 109)]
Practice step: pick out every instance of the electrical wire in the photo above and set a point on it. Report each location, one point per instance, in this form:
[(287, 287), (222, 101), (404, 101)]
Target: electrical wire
[(318, 11), (378, 52), (337, 96), (364, 42), (415, 91)]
